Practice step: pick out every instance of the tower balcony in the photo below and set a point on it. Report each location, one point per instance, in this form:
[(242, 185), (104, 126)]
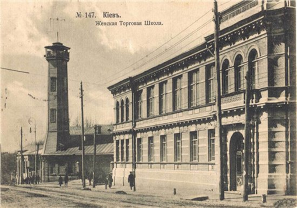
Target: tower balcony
[(57, 51)]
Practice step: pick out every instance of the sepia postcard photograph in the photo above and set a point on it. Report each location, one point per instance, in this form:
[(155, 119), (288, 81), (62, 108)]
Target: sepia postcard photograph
[(158, 103)]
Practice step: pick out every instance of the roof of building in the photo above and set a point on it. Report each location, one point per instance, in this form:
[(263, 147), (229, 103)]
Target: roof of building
[(50, 146), (105, 130), (30, 149), (101, 149)]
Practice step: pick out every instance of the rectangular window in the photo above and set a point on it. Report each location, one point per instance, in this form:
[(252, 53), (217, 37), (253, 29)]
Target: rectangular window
[(139, 150), (150, 101), (117, 150), (162, 97), (127, 150), (211, 145), (177, 147), (53, 115), (177, 93), (122, 150), (194, 88), (53, 84), (66, 116), (65, 85), (194, 146), (210, 91), (151, 149), (138, 99), (163, 148)]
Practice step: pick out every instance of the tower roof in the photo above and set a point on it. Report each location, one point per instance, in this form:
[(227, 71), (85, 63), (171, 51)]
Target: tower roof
[(58, 45)]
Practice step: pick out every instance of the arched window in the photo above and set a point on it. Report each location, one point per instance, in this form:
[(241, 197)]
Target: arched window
[(117, 112), (122, 111), (253, 68), (127, 109), (225, 71), (238, 73)]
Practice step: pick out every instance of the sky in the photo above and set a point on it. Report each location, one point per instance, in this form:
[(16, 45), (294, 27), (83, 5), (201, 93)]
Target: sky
[(99, 55)]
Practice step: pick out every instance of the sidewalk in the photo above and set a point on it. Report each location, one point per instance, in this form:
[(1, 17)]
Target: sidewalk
[(231, 199)]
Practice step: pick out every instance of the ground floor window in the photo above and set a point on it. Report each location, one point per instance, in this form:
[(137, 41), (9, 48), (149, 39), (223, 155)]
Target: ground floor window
[(194, 146), (211, 145), (139, 149)]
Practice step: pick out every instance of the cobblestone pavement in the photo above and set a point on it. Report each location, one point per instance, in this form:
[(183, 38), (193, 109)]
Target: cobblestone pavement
[(51, 195)]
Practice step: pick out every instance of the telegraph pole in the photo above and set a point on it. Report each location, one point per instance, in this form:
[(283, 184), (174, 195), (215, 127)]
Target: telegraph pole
[(82, 136), (22, 157), (133, 133), (35, 179), (218, 98), (247, 135), (94, 158)]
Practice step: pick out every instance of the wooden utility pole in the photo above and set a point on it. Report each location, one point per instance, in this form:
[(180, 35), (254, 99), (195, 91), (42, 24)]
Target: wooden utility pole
[(246, 134), (82, 136), (35, 179), (218, 99), (22, 157), (133, 132), (94, 157)]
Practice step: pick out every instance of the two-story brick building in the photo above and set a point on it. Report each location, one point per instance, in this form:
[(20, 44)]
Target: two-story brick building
[(165, 116)]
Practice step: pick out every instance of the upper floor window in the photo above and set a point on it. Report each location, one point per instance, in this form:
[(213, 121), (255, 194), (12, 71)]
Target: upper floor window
[(138, 100), (53, 84), (151, 149), (53, 115), (253, 68), (162, 97), (163, 148), (194, 146), (139, 149), (122, 110), (177, 147), (211, 145), (209, 81), (127, 109), (225, 77), (194, 88), (150, 101), (117, 112), (177, 93), (238, 73)]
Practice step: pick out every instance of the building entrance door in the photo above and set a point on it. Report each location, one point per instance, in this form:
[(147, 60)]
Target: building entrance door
[(236, 161)]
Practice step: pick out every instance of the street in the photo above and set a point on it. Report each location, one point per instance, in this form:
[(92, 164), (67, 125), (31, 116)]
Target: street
[(51, 195)]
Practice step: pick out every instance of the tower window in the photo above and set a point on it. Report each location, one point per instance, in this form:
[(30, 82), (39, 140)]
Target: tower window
[(53, 115), (53, 84)]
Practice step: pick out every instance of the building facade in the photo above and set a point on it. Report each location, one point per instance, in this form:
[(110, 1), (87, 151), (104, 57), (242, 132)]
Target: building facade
[(165, 117)]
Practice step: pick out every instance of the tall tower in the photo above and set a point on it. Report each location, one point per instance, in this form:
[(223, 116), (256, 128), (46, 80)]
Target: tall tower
[(57, 56)]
